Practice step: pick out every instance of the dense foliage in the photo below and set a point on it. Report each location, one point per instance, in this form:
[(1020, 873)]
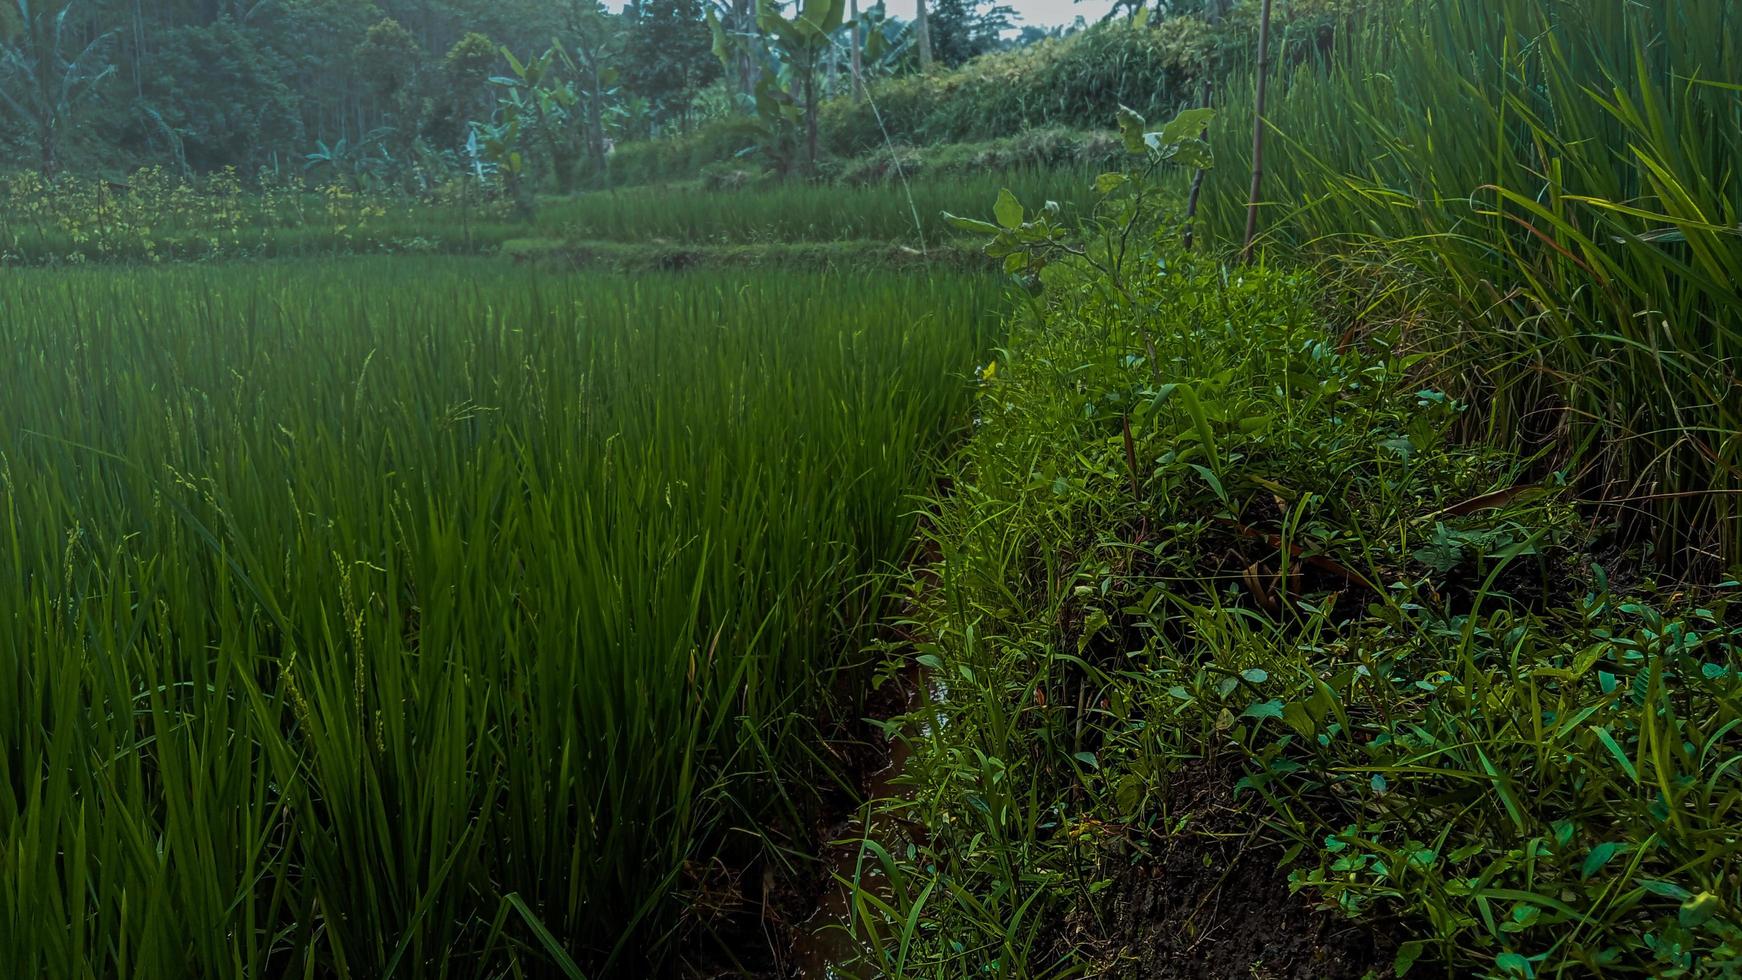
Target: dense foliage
[(1229, 587), (199, 85), (1417, 611), (1071, 82)]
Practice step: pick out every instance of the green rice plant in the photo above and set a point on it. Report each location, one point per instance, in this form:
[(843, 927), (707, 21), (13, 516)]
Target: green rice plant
[(1566, 174), (428, 618), (158, 220), (909, 213)]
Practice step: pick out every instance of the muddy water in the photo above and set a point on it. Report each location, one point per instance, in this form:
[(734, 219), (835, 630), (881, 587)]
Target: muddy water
[(825, 948)]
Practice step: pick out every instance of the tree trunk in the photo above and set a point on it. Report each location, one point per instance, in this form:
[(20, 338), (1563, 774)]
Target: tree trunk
[(596, 122), (47, 111), (833, 74), (138, 50), (1258, 133), (923, 20), (858, 59), (744, 22), (810, 114), (50, 161), (1197, 178)]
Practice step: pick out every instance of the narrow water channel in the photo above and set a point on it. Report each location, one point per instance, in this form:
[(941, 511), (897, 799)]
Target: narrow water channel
[(826, 947)]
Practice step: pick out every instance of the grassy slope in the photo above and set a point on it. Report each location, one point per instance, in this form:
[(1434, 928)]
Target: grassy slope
[(1291, 620), (1288, 620)]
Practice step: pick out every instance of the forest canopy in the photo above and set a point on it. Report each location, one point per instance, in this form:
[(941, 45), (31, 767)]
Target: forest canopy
[(105, 86)]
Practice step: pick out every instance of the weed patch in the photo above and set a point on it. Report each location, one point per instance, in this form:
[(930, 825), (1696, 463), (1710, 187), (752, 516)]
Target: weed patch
[(1196, 537)]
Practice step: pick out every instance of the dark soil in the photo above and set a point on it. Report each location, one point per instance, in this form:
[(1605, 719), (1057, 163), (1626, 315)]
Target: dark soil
[(753, 919), (1211, 902)]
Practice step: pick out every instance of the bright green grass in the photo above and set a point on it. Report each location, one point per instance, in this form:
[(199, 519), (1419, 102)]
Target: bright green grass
[(1566, 174), (355, 617)]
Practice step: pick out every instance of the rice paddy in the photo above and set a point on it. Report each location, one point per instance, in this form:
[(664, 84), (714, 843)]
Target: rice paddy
[(396, 618), (1315, 555)]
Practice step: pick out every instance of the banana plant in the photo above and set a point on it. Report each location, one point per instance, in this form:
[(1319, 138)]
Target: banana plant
[(596, 44), (800, 43), (358, 164), (40, 84), (887, 41), (494, 150), (767, 97), (791, 51)]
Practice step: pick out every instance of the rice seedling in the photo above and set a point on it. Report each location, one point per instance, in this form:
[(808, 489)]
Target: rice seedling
[(420, 618)]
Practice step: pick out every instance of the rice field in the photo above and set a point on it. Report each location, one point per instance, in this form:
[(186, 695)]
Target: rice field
[(910, 213), (397, 617), (155, 219)]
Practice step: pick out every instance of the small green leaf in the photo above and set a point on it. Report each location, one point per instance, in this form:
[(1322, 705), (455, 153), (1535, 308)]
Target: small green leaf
[(1599, 856), (1214, 483), (1620, 757), (1300, 718), (1131, 130), (971, 224), (1696, 910), (1263, 709), (1193, 153), (1407, 954), (1401, 445), (1667, 889), (1187, 125), (1255, 675), (1008, 210), (1514, 965), (1109, 182), (1129, 793)]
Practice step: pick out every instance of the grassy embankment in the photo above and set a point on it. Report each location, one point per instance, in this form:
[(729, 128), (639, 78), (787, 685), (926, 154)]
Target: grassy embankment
[(1371, 617)]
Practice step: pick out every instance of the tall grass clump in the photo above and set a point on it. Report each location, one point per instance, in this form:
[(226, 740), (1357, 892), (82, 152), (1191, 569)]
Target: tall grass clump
[(1567, 174), (424, 619)]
